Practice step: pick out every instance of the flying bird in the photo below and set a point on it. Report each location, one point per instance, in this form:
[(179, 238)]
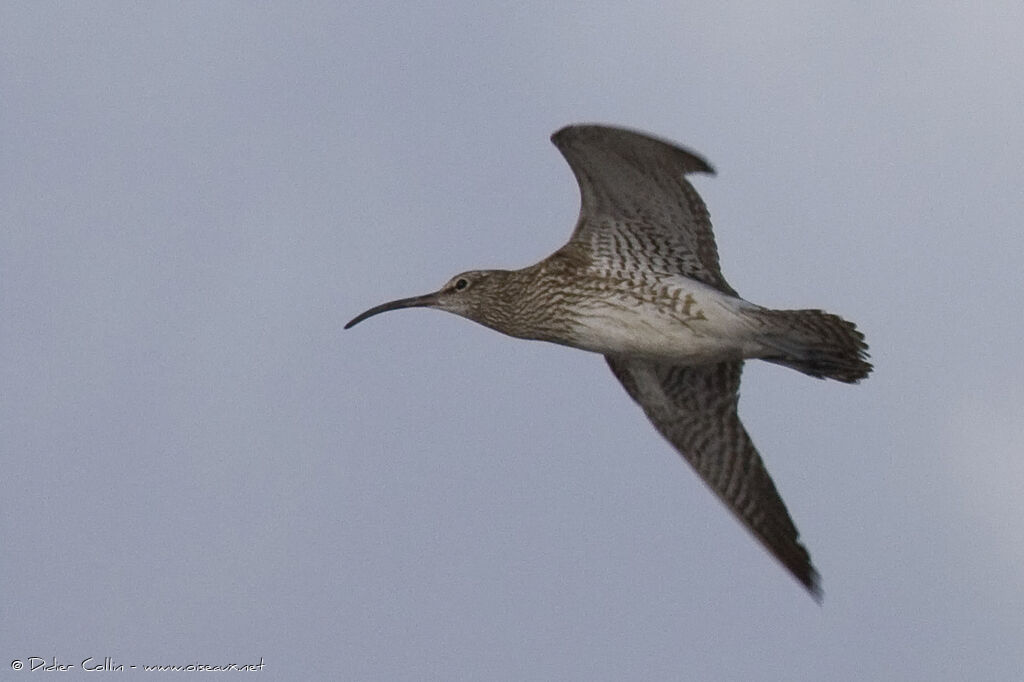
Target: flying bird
[(639, 282)]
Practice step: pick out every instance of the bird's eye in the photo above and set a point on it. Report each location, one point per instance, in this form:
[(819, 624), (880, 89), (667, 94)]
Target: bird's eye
[(461, 283)]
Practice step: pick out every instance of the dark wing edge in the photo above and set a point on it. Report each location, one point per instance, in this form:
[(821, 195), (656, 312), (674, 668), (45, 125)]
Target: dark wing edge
[(694, 408), (628, 141)]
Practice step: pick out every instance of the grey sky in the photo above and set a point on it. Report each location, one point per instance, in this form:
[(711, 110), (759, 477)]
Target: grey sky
[(200, 466)]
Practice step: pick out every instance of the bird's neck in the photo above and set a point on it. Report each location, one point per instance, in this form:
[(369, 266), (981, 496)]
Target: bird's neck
[(529, 303)]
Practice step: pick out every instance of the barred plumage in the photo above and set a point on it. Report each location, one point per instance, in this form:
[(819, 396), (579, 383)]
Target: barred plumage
[(639, 282)]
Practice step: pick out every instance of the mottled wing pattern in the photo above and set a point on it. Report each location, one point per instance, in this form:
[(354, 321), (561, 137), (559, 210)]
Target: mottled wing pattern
[(637, 210), (695, 409)]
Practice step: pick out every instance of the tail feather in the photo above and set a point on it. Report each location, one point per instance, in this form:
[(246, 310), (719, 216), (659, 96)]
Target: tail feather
[(816, 343)]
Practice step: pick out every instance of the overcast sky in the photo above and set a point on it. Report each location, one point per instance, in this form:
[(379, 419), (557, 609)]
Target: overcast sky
[(200, 466)]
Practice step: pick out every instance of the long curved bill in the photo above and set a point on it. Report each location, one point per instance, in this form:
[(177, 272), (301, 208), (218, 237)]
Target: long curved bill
[(426, 300)]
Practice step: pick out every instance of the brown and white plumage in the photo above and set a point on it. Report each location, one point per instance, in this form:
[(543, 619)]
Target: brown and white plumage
[(633, 193), (694, 408), (636, 205), (639, 282)]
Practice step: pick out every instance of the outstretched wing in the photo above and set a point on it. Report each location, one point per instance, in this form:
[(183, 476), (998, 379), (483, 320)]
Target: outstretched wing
[(637, 210), (695, 409)]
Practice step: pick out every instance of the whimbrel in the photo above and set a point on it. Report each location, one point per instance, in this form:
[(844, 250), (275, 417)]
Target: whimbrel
[(639, 282)]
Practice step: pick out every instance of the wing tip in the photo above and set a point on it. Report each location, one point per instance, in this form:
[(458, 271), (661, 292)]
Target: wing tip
[(564, 137), (799, 566), (812, 582)]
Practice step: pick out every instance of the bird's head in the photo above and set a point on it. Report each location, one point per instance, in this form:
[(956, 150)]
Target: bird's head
[(476, 294)]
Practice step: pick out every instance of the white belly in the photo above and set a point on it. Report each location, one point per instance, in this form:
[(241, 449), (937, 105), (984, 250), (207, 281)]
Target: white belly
[(698, 325)]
